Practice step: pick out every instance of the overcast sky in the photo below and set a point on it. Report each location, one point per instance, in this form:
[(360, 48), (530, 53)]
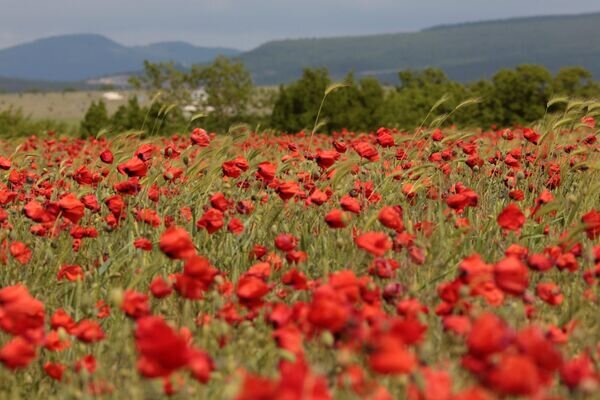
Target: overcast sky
[(247, 23)]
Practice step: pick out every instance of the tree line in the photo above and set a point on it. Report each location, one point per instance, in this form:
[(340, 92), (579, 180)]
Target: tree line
[(511, 97)]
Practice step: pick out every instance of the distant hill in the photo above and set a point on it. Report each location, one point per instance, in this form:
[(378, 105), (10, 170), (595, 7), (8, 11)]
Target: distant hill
[(465, 52), (83, 56), (23, 85)]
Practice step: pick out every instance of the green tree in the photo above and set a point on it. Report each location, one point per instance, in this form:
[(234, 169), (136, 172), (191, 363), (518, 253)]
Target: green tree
[(129, 116), (487, 112), (417, 94), (166, 81), (95, 119), (156, 119), (358, 105), (227, 83), (228, 86), (522, 93), (297, 105), (575, 82)]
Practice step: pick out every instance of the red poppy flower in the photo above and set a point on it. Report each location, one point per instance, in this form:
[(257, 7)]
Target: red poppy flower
[(251, 289), (20, 313), (254, 388), (107, 156), (200, 365), (71, 273), (219, 202), (577, 370), (134, 167), (135, 304), (266, 171), (160, 288), (37, 212), (515, 375), (489, 335), (234, 168), (130, 187), (143, 244), (86, 362), (162, 351), (188, 287), (391, 217), (350, 204), (326, 158), (200, 269), (17, 353), (90, 202), (54, 370), (53, 342), (339, 146), (591, 220), (337, 219), (116, 205), (328, 311), (235, 226), (287, 190), (540, 262), (511, 218), (71, 208), (376, 243), (391, 356), (200, 138), (531, 135), (145, 151), (512, 276), (60, 319), (20, 252), (88, 331), (5, 163), (366, 150), (211, 220), (148, 216), (567, 261), (550, 293), (385, 138), (286, 242), (176, 243), (296, 279)]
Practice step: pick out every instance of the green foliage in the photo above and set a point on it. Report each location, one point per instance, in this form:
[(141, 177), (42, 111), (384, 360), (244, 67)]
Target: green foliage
[(522, 93), (173, 84), (576, 81), (13, 123), (95, 119), (129, 117), (297, 105), (228, 86), (226, 83), (429, 97), (356, 105), (155, 119)]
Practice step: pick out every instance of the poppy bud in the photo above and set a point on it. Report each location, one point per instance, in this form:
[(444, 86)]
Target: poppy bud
[(116, 296), (520, 175), (63, 335), (327, 338)]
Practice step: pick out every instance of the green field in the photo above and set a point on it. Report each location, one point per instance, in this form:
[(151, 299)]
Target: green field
[(68, 107)]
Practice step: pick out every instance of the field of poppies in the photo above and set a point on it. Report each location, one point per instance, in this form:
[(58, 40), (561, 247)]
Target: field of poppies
[(434, 264)]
